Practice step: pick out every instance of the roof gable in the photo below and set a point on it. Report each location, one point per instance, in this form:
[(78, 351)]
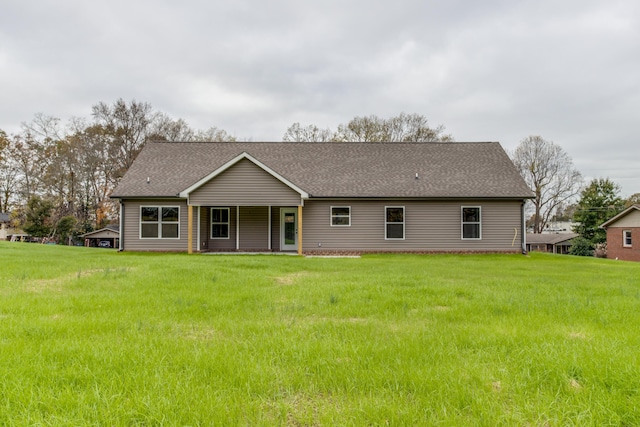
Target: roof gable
[(373, 170), (631, 210), (185, 193)]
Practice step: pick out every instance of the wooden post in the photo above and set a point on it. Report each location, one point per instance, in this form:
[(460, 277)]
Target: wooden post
[(190, 229), (300, 230)]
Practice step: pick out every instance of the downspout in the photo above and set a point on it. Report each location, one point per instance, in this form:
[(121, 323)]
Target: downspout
[(523, 232), (121, 244)]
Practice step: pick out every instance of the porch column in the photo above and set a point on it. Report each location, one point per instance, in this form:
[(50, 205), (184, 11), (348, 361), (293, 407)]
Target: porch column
[(190, 229), (300, 230)]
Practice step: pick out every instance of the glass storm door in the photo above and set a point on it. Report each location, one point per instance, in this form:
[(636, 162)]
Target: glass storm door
[(289, 229)]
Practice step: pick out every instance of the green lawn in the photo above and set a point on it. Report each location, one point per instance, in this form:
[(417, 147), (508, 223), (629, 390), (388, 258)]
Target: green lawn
[(96, 337)]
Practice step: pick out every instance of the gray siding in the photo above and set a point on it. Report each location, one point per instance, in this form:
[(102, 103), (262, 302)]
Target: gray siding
[(429, 226), (132, 240), (244, 184), (254, 228), (254, 232), (209, 244)]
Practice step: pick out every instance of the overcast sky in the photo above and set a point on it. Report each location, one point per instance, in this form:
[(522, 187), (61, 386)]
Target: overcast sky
[(568, 70)]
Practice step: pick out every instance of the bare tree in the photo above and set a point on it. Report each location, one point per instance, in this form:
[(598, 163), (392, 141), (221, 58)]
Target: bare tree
[(213, 134), (8, 173), (401, 128), (128, 125), (309, 133), (550, 173)]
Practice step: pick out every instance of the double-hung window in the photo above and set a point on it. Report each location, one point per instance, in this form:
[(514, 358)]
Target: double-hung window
[(340, 216), (394, 223), (159, 222), (471, 223), (626, 239), (219, 223)]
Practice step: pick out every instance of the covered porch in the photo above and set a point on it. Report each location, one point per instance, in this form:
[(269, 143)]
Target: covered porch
[(245, 228), (244, 206)]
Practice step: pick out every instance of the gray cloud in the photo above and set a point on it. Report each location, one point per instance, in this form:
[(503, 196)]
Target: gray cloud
[(495, 70)]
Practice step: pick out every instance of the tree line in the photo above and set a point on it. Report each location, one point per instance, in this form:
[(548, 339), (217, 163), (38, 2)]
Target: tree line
[(560, 194), (56, 178)]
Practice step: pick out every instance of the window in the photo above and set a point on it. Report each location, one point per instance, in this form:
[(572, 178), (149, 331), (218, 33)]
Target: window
[(394, 223), (471, 223), (340, 216), (219, 223), (626, 239), (159, 222)]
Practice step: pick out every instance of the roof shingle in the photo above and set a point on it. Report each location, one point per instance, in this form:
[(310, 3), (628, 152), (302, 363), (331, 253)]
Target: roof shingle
[(443, 170)]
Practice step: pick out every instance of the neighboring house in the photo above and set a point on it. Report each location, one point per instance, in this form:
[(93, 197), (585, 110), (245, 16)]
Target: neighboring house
[(555, 227), (623, 234), (4, 225), (322, 198), (108, 237), (553, 243)]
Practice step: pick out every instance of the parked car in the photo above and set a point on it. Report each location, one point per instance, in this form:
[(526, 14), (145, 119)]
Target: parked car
[(104, 244)]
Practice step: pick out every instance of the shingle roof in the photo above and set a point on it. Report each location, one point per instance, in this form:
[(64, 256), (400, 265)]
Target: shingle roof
[(550, 239), (336, 169), (4, 217)]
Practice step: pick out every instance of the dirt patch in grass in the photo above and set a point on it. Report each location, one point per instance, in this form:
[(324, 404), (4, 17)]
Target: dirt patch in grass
[(578, 336), (291, 278), (55, 284), (198, 333)]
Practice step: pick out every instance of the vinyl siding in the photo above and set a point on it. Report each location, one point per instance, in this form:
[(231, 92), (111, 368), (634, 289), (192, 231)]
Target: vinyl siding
[(254, 228), (429, 226), (132, 240), (205, 231), (244, 184), (254, 233), (632, 219)]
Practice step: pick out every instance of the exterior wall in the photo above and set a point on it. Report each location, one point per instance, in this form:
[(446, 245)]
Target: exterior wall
[(209, 244), (254, 231), (429, 226), (631, 220), (244, 184), (615, 248), (131, 222), (254, 228)]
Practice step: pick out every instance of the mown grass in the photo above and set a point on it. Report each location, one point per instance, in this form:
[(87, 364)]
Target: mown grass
[(96, 337)]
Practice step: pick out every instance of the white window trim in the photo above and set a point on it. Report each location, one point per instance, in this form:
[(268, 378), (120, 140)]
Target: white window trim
[(624, 239), (404, 221), (159, 222), (228, 223), (462, 222), (331, 216)]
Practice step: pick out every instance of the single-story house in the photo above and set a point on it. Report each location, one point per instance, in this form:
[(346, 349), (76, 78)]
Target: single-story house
[(108, 237), (623, 234), (552, 243), (322, 198)]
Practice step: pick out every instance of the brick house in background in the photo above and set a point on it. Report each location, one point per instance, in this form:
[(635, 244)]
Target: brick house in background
[(623, 234)]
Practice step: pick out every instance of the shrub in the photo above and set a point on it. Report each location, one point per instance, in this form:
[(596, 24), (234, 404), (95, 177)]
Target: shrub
[(581, 247)]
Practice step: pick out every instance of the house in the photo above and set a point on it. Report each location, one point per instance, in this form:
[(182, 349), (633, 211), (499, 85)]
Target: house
[(4, 225), (108, 237), (623, 234), (322, 198), (553, 243)]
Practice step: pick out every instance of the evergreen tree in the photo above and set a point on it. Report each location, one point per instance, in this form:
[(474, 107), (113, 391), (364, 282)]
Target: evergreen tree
[(599, 201)]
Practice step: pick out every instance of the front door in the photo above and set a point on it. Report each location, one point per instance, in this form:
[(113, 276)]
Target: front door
[(289, 229)]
